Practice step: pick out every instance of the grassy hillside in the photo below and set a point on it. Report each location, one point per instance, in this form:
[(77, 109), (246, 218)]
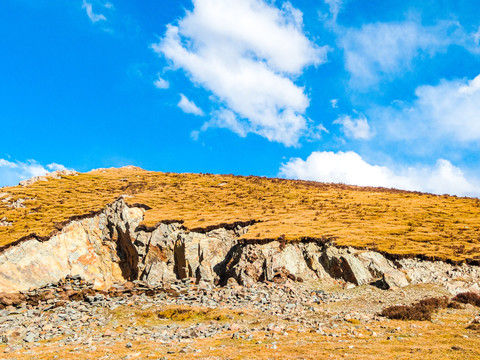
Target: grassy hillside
[(392, 221)]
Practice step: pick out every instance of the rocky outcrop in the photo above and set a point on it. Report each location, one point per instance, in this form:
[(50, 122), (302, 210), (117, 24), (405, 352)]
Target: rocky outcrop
[(170, 252), (251, 263), (87, 247), (382, 268), (110, 247), (308, 261), (57, 174), (455, 278)]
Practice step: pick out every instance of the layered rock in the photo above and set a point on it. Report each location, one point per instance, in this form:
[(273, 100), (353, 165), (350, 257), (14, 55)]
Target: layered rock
[(455, 278), (308, 261), (92, 248), (110, 247)]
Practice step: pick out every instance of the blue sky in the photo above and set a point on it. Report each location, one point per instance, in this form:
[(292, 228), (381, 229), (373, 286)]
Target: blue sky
[(360, 92)]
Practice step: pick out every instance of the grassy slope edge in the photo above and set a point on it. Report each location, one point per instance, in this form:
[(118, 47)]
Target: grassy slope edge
[(391, 221)]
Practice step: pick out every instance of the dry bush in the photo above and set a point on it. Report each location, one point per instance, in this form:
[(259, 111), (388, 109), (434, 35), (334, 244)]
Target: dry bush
[(421, 310), (186, 314), (474, 325), (455, 305), (468, 298)]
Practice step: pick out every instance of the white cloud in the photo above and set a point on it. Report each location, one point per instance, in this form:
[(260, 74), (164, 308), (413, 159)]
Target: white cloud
[(388, 49), (247, 53), (355, 128), (93, 17), (476, 37), (189, 106), (450, 109), (56, 167), (334, 7), (350, 168), (228, 120), (334, 103), (161, 83), (11, 173)]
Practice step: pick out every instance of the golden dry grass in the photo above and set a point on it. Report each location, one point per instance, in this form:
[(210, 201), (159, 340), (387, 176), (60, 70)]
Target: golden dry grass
[(392, 221)]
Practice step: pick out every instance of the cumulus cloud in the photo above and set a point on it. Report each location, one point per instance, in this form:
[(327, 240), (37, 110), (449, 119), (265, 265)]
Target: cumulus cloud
[(355, 128), (450, 109), (92, 16), (161, 83), (12, 172), (247, 53), (350, 168), (387, 49), (189, 106)]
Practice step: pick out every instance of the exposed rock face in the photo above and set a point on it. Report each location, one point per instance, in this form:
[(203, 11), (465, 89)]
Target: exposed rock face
[(256, 262), (51, 175), (455, 278), (307, 261), (342, 263), (382, 268), (110, 247), (170, 252), (87, 247)]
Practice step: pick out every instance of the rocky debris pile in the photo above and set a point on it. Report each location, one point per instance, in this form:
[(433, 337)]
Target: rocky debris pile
[(455, 278), (72, 313), (57, 174), (129, 313), (74, 288)]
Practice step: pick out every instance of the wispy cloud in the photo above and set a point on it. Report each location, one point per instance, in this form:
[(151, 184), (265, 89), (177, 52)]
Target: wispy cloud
[(450, 110), (12, 172), (226, 119), (189, 106), (93, 17), (350, 168), (161, 83), (355, 128), (334, 7), (380, 50), (476, 37), (247, 53)]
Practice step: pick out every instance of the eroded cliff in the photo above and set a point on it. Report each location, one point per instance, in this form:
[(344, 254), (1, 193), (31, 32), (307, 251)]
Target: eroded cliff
[(110, 247)]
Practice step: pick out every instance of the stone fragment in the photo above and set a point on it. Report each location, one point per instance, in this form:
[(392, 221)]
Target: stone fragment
[(341, 263), (9, 299)]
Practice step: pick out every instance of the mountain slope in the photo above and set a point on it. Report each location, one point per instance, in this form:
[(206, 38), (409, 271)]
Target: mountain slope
[(394, 222)]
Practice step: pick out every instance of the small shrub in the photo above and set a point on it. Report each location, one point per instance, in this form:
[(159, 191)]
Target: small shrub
[(468, 298), (420, 311), (474, 325), (455, 305), (186, 314)]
